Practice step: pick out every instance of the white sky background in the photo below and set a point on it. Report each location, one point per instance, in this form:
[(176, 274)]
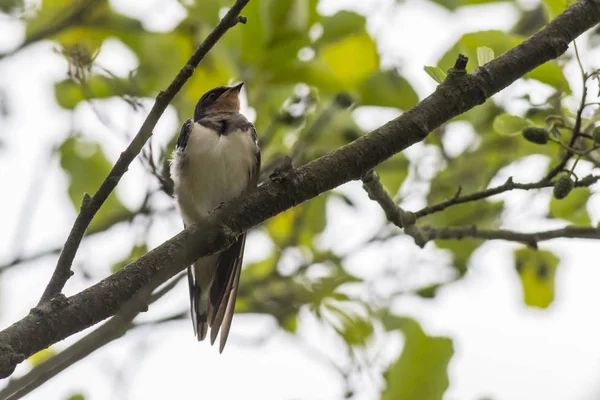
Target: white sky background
[(503, 349)]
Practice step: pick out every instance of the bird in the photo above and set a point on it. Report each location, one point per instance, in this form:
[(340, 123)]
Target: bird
[(216, 160)]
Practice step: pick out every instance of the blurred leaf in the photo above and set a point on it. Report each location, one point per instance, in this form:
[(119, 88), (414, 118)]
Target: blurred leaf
[(500, 42), (42, 356), (461, 251), (551, 74), (537, 270), (429, 291), (10, 6), (454, 4), (341, 25), (206, 11), (510, 125), (484, 55), (283, 18), (387, 89), (50, 13), (421, 370), (261, 269), (354, 329), (290, 324), (69, 93), (351, 60), (325, 287), (86, 167), (300, 224), (436, 73), (555, 7), (572, 208), (393, 172), (136, 252), (76, 396)]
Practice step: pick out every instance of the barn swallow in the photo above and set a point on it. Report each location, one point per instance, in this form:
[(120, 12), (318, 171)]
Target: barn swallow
[(217, 158)]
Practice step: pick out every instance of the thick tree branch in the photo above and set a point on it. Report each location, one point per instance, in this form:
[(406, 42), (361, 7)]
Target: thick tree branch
[(91, 205), (111, 330), (286, 189)]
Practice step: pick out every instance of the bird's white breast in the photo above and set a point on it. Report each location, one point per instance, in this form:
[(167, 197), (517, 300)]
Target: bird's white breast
[(212, 169)]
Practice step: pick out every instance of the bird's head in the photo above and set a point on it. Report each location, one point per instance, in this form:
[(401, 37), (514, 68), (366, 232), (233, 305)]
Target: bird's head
[(220, 99)]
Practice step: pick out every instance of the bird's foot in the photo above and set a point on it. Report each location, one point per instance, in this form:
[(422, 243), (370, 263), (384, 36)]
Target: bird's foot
[(218, 208)]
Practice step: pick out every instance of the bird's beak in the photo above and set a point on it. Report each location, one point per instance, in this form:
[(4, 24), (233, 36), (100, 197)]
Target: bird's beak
[(236, 88)]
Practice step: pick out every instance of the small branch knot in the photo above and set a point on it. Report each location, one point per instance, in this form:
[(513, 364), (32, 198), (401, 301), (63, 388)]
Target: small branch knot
[(283, 171), (461, 63), (60, 301)]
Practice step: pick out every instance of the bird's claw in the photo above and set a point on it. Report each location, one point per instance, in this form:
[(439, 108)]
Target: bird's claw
[(218, 208)]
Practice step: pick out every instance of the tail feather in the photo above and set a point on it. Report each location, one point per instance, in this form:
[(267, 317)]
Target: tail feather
[(213, 303), (202, 329), (199, 307)]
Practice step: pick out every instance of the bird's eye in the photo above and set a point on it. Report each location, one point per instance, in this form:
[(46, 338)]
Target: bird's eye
[(212, 96)]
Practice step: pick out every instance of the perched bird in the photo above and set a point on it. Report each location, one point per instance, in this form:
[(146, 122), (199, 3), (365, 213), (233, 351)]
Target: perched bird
[(217, 159)]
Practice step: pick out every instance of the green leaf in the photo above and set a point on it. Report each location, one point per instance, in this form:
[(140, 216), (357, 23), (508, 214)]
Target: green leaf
[(69, 93), (299, 225), (290, 324), (500, 42), (484, 55), (351, 60), (49, 12), (421, 371), (76, 396), (551, 74), (393, 172), (10, 6), (510, 125), (261, 269), (86, 167), (387, 89), (280, 18), (354, 330), (555, 7), (461, 251), (454, 4), (136, 252), (537, 271), (41, 356), (572, 208), (341, 25), (326, 287), (436, 73)]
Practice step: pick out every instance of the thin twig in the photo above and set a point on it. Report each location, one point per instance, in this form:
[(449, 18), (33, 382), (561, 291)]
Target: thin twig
[(74, 13), (578, 120), (423, 234), (530, 239), (91, 205), (143, 210), (403, 219), (505, 187)]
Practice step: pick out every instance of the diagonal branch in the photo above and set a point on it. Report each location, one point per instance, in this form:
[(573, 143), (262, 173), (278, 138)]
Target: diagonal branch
[(288, 188), (111, 330), (91, 205)]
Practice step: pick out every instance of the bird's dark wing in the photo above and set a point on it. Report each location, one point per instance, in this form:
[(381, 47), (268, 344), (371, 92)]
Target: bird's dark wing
[(223, 291), (184, 135)]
